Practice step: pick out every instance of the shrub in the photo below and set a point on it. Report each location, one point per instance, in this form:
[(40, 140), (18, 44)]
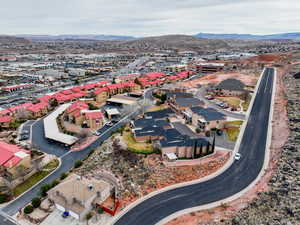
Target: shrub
[(207, 133), (89, 216), (78, 164), (54, 183), (28, 209), (91, 152), (44, 189), (63, 176), (100, 210), (4, 198), (36, 202)]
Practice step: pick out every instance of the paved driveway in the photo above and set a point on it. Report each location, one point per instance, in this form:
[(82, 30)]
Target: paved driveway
[(200, 94), (46, 145)]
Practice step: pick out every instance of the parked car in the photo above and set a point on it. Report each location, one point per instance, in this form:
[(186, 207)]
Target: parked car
[(237, 156), (24, 137), (110, 124)]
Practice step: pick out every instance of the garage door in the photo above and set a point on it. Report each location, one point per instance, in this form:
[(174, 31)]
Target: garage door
[(76, 216), (59, 207)]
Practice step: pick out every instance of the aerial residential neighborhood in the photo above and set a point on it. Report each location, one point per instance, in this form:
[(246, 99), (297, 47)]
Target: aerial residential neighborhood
[(150, 127)]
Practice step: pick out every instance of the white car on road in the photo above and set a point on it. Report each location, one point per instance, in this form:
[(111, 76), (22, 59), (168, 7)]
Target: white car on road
[(237, 156)]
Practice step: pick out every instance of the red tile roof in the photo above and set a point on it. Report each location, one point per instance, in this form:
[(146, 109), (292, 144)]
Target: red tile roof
[(93, 115), (45, 98), (5, 112), (76, 89), (77, 106), (114, 86), (100, 90), (103, 82), (17, 87), (5, 119), (38, 107), (67, 92), (22, 106), (153, 76), (9, 157)]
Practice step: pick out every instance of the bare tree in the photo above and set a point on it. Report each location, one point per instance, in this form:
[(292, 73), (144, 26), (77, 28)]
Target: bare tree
[(23, 114)]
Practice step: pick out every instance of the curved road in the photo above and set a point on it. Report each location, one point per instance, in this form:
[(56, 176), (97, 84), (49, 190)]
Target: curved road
[(236, 178), (67, 159)]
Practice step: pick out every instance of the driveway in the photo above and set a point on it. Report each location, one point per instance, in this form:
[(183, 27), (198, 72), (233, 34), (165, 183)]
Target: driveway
[(201, 93)]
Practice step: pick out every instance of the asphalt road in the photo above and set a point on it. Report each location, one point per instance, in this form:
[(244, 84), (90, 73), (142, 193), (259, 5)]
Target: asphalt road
[(237, 177), (67, 157)]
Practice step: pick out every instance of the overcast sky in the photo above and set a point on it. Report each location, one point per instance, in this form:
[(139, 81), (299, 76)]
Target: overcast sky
[(148, 17)]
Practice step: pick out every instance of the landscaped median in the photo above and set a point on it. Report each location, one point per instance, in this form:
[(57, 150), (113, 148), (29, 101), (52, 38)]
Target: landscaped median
[(137, 147), (233, 129), (35, 178)]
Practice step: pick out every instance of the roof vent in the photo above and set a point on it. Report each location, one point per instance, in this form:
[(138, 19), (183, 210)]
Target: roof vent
[(90, 187)]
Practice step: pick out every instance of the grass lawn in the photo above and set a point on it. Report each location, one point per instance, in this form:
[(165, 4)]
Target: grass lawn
[(157, 108), (233, 133), (27, 184), (51, 165), (233, 101), (138, 147), (235, 123), (35, 178), (246, 105)]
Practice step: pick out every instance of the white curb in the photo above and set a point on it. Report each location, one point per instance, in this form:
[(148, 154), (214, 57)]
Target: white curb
[(237, 195), (211, 176)]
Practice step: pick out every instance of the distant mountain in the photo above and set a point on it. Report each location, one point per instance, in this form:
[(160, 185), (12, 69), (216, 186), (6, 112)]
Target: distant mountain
[(283, 36), (179, 42), (5, 39), (95, 37)]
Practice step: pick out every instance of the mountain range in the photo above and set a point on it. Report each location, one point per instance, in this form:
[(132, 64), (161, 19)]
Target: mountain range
[(283, 36), (95, 37)]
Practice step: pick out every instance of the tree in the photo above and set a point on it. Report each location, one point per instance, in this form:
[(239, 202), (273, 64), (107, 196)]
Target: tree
[(92, 107), (36, 202), (53, 103), (78, 164), (22, 114), (28, 209), (63, 176), (88, 216), (44, 189), (21, 171)]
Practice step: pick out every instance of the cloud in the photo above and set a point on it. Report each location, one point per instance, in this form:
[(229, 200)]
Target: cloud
[(144, 18)]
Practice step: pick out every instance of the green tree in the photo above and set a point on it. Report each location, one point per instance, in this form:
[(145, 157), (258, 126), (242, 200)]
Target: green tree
[(36, 202), (78, 164), (28, 209)]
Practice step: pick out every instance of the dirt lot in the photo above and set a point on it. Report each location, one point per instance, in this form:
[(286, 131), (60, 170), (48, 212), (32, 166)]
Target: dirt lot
[(279, 137), (218, 77)]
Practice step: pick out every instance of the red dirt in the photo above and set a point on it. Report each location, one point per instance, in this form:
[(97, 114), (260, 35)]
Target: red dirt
[(166, 176), (218, 77), (279, 137)]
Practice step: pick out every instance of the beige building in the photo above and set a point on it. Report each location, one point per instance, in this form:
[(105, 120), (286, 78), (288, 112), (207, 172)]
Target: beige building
[(14, 160), (205, 118), (78, 195), (102, 94)]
